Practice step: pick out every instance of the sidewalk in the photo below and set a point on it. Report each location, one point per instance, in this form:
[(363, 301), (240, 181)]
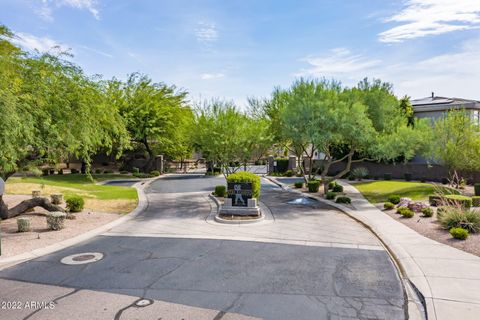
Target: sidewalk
[(447, 278)]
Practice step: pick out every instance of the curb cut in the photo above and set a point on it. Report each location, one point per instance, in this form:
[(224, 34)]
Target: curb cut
[(142, 204)]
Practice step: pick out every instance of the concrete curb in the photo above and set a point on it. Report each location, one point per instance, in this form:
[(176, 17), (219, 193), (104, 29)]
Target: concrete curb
[(142, 204), (415, 298)]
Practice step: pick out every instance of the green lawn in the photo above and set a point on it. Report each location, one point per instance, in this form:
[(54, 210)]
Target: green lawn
[(379, 191)]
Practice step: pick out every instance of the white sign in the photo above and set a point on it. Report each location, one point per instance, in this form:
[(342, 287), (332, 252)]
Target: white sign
[(2, 186)]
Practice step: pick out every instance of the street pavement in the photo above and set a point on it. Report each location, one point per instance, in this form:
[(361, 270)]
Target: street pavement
[(310, 262)]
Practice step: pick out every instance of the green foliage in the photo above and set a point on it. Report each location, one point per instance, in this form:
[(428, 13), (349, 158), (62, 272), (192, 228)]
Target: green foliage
[(476, 201), (407, 110), (220, 191), (434, 200), (460, 218), (75, 203), (407, 213), (387, 176), (282, 165), (331, 184), (359, 173), (135, 170), (407, 176), (388, 206), (23, 224), (313, 185), (459, 233), (247, 177), (427, 212), (142, 175), (441, 210), (458, 200), (298, 184), (155, 173), (477, 189), (400, 210), (343, 199), (288, 173), (330, 195), (337, 188), (394, 198)]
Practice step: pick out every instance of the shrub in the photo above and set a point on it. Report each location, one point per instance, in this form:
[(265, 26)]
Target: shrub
[(330, 195), (23, 224), (289, 173), (108, 171), (387, 176), (445, 180), (459, 233), (441, 210), (73, 171), (407, 213), (476, 201), (458, 218), (427, 212), (142, 175), (98, 171), (56, 220), (220, 191), (423, 179), (60, 171), (417, 206), (331, 184), (407, 176), (298, 184), (337, 188), (434, 200), (351, 178), (155, 173), (388, 206), (458, 200), (359, 173), (343, 199), (135, 170), (395, 199), (124, 172), (313, 185), (247, 177), (476, 186), (75, 203), (404, 202), (400, 210), (376, 177), (56, 198), (282, 165)]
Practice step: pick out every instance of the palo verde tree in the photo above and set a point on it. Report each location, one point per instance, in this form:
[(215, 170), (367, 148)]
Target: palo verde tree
[(49, 110)]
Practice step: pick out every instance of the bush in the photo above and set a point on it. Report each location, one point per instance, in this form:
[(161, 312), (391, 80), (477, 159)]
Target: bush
[(60, 171), (441, 210), (434, 200), (427, 212), (459, 233), (407, 213), (23, 224), (247, 177), (282, 165), (155, 173), (407, 176), (343, 199), (476, 201), (135, 170), (476, 186), (458, 218), (73, 171), (75, 203), (56, 198), (108, 171), (351, 178), (220, 191), (330, 195), (400, 210), (313, 185), (337, 188), (56, 220), (423, 179), (395, 199), (417, 206), (298, 184), (445, 180), (124, 172), (359, 173), (376, 177), (458, 200), (142, 175), (289, 173), (98, 171), (387, 176), (388, 206), (331, 184)]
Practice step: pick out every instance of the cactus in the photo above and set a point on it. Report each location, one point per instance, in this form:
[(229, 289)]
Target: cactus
[(57, 198), (23, 224), (56, 220)]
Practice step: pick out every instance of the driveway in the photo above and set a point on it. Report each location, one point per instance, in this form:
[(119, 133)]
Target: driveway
[(310, 262)]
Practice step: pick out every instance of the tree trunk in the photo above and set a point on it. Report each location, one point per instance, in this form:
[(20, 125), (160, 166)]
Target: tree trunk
[(23, 206), (151, 156)]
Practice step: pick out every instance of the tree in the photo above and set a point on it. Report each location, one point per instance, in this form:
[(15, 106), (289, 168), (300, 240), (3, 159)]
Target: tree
[(456, 144), (153, 112), (407, 110)]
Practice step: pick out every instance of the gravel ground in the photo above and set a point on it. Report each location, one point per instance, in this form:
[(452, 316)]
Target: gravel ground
[(431, 228), (14, 243)]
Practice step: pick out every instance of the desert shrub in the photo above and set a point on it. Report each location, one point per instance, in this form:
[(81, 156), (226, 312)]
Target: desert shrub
[(282, 165), (400, 210), (330, 195), (459, 233), (247, 177), (135, 170), (331, 184), (337, 188), (407, 176), (220, 190), (155, 173), (434, 200), (23, 224), (407, 213), (476, 201), (476, 186), (289, 173), (359, 173), (75, 203), (441, 210), (56, 220), (298, 184), (395, 199), (458, 200), (313, 185), (387, 176), (98, 171), (460, 218), (427, 212), (388, 206), (56, 198), (343, 199)]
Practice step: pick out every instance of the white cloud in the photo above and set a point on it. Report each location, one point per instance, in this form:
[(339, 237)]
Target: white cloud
[(45, 11), (108, 55), (210, 76), (339, 61), (42, 44), (206, 32), (420, 18)]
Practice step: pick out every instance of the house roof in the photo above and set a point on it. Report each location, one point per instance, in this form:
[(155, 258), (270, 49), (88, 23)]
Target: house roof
[(435, 103)]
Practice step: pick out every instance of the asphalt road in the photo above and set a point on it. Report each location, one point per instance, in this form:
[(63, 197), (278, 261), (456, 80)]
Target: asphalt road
[(208, 278)]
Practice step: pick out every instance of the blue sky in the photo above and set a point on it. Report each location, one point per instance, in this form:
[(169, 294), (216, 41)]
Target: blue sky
[(236, 49)]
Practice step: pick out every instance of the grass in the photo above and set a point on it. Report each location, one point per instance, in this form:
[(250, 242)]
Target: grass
[(98, 197), (379, 191)]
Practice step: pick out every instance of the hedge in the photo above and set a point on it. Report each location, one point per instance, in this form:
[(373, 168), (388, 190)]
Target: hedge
[(476, 201), (247, 177), (477, 189), (282, 165), (313, 185), (456, 199)]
